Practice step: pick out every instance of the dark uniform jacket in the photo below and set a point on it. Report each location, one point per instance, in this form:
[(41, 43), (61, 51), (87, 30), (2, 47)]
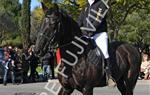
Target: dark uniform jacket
[(100, 27)]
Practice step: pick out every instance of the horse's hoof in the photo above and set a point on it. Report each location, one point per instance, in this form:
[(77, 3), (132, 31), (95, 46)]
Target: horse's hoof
[(5, 84)]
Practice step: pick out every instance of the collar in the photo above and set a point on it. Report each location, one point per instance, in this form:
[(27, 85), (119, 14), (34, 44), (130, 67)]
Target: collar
[(91, 2)]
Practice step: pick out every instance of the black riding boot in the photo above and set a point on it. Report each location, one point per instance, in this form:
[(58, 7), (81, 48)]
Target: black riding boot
[(110, 80)]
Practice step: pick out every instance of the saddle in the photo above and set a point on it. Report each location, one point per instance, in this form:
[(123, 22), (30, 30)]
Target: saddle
[(94, 54)]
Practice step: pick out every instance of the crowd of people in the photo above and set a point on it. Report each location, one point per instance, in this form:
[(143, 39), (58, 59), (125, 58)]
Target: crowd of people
[(31, 63), (9, 62), (16, 64), (46, 62)]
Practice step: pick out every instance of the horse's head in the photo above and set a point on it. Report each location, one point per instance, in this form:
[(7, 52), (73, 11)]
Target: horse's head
[(48, 29), (57, 29)]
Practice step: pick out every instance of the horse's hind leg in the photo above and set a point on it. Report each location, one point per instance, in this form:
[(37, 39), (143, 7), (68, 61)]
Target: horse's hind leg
[(65, 91), (126, 87), (130, 85), (121, 86), (131, 80)]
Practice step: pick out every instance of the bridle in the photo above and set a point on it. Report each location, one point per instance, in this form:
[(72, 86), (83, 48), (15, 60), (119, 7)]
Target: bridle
[(50, 40)]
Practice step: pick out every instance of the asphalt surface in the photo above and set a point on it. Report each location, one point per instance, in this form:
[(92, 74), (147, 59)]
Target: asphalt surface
[(142, 88)]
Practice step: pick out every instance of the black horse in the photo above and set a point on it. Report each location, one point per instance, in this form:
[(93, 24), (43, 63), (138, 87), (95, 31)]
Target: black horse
[(82, 64)]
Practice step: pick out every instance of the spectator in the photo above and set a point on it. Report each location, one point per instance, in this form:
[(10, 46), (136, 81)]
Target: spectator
[(33, 60), (25, 64), (145, 66), (8, 65), (46, 66), (18, 66)]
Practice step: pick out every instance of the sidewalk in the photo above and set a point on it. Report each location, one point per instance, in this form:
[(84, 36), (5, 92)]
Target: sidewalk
[(143, 82)]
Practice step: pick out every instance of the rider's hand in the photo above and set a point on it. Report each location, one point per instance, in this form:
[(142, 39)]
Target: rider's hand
[(86, 33)]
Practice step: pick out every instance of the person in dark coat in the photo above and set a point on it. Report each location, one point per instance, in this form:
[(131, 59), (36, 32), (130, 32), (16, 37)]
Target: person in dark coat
[(25, 65), (33, 61)]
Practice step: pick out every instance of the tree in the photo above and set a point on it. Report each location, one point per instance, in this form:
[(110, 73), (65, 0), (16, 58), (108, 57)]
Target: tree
[(9, 14), (25, 23), (119, 11), (73, 7), (135, 29), (36, 20), (6, 26)]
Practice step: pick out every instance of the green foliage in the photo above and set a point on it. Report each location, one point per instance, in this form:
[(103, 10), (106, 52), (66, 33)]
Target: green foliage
[(73, 8), (9, 16), (120, 11), (11, 7), (14, 41), (128, 19), (136, 28), (36, 20), (25, 23)]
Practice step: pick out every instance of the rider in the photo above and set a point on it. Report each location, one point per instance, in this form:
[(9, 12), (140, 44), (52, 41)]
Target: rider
[(100, 34)]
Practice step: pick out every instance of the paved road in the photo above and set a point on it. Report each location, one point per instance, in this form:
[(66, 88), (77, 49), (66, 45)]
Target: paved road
[(142, 88)]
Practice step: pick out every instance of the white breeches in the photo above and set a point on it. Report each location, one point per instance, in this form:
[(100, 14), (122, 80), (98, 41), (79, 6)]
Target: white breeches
[(101, 40)]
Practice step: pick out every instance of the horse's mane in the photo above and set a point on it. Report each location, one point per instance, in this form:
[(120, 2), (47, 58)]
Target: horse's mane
[(70, 23)]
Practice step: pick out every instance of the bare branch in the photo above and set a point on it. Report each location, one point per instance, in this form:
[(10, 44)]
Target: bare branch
[(127, 12)]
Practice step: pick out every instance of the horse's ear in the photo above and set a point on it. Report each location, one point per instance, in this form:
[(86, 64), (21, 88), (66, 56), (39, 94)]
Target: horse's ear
[(44, 7)]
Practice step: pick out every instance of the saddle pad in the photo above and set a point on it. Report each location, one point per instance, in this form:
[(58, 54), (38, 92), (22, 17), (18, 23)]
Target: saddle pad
[(58, 56)]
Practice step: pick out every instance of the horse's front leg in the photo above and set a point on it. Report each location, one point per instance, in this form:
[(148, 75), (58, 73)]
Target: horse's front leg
[(88, 90), (65, 91)]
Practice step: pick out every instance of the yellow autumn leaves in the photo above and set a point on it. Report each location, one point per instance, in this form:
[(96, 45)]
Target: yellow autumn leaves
[(47, 3)]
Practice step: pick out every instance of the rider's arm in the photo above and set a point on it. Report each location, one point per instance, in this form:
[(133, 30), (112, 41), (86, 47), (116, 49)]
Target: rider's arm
[(81, 18)]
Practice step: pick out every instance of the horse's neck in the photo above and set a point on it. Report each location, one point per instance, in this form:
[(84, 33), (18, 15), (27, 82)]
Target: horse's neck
[(72, 26), (69, 31), (76, 48)]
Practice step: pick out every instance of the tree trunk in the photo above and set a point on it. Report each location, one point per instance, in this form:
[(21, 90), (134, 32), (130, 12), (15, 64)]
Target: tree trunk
[(25, 20)]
